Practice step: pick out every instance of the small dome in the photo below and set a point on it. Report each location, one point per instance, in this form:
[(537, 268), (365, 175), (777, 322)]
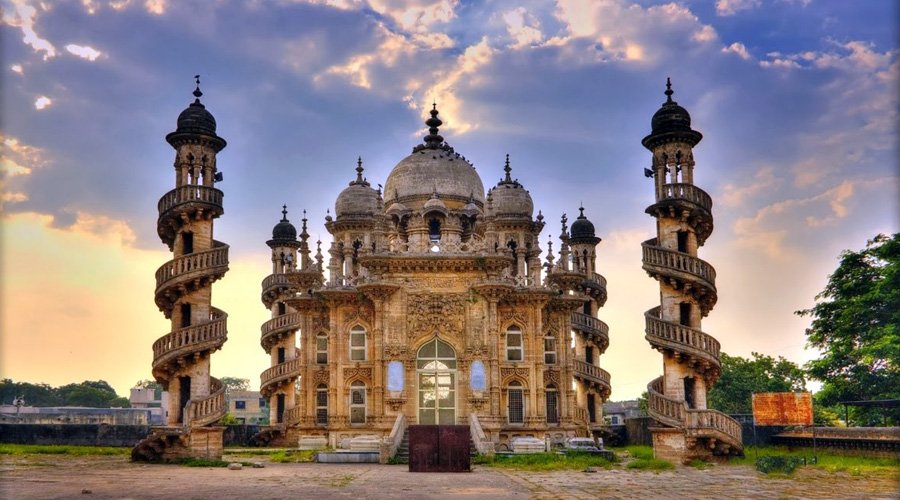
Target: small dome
[(284, 230), (583, 230), (358, 198), (671, 122), (434, 164), (509, 198), (434, 204), (196, 120)]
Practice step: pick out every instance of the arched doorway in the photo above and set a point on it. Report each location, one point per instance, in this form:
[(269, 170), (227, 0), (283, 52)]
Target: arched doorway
[(436, 370)]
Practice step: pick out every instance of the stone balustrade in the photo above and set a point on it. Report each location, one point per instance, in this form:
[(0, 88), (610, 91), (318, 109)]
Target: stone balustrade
[(678, 261), (292, 415), (278, 373), (592, 373), (687, 192), (703, 421), (279, 324), (209, 409), (589, 324), (195, 338), (189, 194), (205, 263), (667, 410), (667, 334)]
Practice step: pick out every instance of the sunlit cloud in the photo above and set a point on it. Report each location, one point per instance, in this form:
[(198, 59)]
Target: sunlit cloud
[(739, 49), (416, 15), (23, 16), (735, 194), (157, 7), (705, 34), (445, 90), (84, 51), (16, 68), (732, 7), (522, 27), (42, 102)]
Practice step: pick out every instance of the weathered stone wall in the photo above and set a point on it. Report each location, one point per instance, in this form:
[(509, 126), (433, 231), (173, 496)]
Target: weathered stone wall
[(73, 434)]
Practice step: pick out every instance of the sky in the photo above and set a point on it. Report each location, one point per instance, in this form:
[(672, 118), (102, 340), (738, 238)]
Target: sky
[(797, 101)]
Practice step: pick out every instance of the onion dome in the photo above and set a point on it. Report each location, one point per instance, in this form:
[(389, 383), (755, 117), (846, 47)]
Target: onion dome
[(358, 199), (471, 209), (284, 233), (583, 230), (196, 120), (509, 198), (671, 123), (434, 163)]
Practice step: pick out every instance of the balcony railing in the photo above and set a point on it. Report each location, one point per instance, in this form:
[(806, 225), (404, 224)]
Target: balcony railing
[(195, 338), (281, 371), (589, 324), (662, 333), (206, 410), (280, 324), (591, 372), (697, 423), (207, 262), (687, 192), (189, 194), (679, 261)]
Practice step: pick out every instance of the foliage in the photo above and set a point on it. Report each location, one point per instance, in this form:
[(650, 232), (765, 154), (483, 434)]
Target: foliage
[(228, 419), (148, 384), (778, 463), (235, 384), (826, 461), (856, 327), (44, 449), (649, 464), (699, 464), (96, 394), (644, 404), (639, 451), (741, 377), (543, 461), (292, 456)]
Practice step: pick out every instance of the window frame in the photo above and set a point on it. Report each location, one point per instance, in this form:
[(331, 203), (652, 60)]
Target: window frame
[(515, 387), (555, 413), (321, 354), (357, 387), (552, 352), (515, 331), (357, 331), (321, 408)]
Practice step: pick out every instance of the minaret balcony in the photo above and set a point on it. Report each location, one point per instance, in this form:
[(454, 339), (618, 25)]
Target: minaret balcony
[(681, 270), (189, 271), (277, 327), (698, 348), (206, 410), (277, 375), (684, 200), (594, 375), (187, 342), (272, 286), (205, 197), (592, 327)]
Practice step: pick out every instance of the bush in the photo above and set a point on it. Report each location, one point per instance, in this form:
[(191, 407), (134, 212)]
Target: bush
[(778, 463)]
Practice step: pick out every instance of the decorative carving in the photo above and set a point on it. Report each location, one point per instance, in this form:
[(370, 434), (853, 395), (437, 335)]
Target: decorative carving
[(364, 311), (429, 311), (321, 322), (396, 351), (551, 376), (396, 403), (508, 372), (477, 402), (510, 314), (320, 377), (361, 372)]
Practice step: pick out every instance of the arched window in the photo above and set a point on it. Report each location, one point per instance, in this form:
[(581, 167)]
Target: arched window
[(515, 395), (514, 344), (552, 397), (357, 343), (357, 402), (322, 405), (321, 349)]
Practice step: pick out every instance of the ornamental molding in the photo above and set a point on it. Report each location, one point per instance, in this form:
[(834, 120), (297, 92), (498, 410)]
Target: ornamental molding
[(506, 373), (320, 377), (551, 376), (358, 372), (427, 312)]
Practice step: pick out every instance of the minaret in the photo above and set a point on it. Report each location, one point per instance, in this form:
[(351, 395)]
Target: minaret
[(279, 334), (677, 401), (181, 358)]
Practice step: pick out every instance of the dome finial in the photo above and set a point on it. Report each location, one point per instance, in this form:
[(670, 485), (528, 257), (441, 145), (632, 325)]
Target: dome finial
[(507, 169), (669, 90), (581, 211), (359, 170), (284, 213), (433, 140), (197, 92)]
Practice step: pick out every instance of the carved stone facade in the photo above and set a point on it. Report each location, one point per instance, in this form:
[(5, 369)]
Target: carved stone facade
[(431, 304)]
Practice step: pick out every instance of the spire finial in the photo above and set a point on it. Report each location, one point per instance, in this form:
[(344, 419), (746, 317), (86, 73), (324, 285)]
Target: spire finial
[(197, 92), (581, 212), (507, 169), (284, 213), (433, 140), (564, 221), (359, 170), (669, 90)]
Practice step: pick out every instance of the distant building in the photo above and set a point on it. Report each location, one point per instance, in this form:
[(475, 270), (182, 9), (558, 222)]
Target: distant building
[(153, 399), (615, 412), (248, 407), (73, 415)]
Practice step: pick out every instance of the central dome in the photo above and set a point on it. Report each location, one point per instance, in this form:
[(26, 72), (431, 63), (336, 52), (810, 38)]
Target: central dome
[(434, 167)]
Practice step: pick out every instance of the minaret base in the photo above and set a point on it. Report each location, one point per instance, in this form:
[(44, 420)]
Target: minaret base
[(174, 444), (673, 445)]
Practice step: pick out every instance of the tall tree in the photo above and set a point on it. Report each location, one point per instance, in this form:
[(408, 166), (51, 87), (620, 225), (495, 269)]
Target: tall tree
[(856, 327), (741, 377), (235, 384)]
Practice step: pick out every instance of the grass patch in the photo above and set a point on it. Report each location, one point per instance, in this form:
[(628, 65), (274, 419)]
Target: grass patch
[(42, 449), (543, 461), (202, 462), (638, 451), (699, 464), (649, 464), (826, 461), (292, 456)]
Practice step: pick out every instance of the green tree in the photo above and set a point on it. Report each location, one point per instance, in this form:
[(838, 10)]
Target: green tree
[(856, 327), (235, 384), (741, 377), (34, 394)]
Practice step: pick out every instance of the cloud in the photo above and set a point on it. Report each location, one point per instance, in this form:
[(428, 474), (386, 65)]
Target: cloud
[(522, 27), (739, 49), (17, 161), (417, 16), (24, 16), (84, 51), (156, 7), (732, 7), (444, 91), (42, 102), (734, 195), (705, 34)]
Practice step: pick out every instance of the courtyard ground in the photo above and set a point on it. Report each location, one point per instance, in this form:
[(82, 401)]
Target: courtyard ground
[(62, 476)]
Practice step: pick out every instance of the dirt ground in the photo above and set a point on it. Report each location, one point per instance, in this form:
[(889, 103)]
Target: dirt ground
[(59, 476)]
